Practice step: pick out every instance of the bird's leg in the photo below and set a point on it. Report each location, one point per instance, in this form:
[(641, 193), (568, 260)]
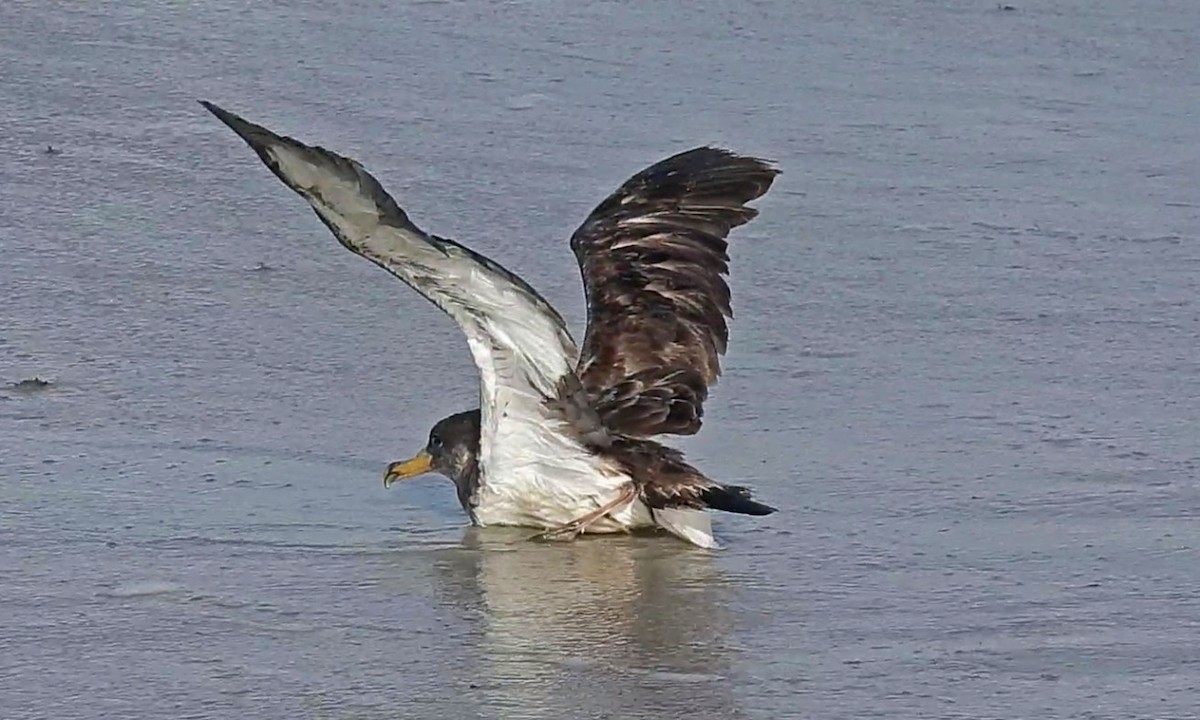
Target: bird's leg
[(572, 529)]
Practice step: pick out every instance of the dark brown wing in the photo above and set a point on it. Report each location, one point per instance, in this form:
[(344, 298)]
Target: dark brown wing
[(666, 480), (653, 258)]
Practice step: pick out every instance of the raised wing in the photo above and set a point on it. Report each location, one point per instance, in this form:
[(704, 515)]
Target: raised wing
[(519, 343), (653, 258)]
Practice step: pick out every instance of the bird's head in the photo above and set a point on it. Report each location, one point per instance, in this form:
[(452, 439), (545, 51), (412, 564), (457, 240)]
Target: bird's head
[(452, 450)]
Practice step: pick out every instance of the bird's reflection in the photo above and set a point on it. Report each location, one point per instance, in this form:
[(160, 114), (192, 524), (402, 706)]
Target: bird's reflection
[(622, 627)]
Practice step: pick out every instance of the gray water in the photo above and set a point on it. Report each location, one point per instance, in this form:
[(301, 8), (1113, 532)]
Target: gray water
[(964, 362)]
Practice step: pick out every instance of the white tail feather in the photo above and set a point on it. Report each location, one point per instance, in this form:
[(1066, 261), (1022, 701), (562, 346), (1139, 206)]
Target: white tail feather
[(695, 526)]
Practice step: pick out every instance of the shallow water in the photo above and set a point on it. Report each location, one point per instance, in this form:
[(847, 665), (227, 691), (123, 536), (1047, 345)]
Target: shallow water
[(964, 364)]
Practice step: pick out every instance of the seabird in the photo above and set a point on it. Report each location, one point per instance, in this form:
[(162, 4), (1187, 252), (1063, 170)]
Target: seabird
[(562, 440)]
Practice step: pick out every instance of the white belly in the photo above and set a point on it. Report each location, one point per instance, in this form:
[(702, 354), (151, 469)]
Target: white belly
[(545, 501), (538, 475)]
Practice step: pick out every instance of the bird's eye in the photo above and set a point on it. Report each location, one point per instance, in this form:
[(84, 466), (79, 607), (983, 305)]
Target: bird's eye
[(435, 442)]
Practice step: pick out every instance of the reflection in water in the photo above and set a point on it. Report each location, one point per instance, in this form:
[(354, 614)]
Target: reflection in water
[(601, 627)]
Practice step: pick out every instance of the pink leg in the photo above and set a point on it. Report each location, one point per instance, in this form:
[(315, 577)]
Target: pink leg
[(572, 529)]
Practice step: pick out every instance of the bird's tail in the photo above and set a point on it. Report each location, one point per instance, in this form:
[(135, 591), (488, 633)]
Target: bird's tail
[(694, 526), (734, 499)]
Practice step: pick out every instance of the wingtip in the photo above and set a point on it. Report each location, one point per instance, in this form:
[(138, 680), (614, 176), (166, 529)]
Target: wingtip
[(735, 499), (214, 109), (769, 166), (256, 136), (762, 164), (233, 120)]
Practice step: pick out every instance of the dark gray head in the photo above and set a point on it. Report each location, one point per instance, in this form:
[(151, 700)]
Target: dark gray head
[(452, 450)]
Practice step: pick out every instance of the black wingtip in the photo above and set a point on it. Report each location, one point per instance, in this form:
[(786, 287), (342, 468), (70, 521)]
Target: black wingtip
[(244, 128), (734, 499), (225, 116), (256, 136), (717, 156)]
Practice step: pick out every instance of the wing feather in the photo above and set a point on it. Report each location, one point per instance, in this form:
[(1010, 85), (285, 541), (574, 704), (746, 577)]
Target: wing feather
[(518, 341), (654, 258)]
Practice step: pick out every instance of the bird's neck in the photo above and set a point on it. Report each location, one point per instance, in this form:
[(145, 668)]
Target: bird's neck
[(466, 485)]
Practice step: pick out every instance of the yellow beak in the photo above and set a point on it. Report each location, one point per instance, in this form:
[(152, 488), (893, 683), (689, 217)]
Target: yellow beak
[(405, 469)]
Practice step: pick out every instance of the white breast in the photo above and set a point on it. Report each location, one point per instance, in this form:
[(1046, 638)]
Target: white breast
[(549, 481)]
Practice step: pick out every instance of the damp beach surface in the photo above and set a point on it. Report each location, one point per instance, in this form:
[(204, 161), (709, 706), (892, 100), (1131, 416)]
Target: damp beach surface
[(964, 362)]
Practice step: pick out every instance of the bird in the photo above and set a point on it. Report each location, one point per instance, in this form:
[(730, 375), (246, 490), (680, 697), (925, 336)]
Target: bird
[(563, 440)]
